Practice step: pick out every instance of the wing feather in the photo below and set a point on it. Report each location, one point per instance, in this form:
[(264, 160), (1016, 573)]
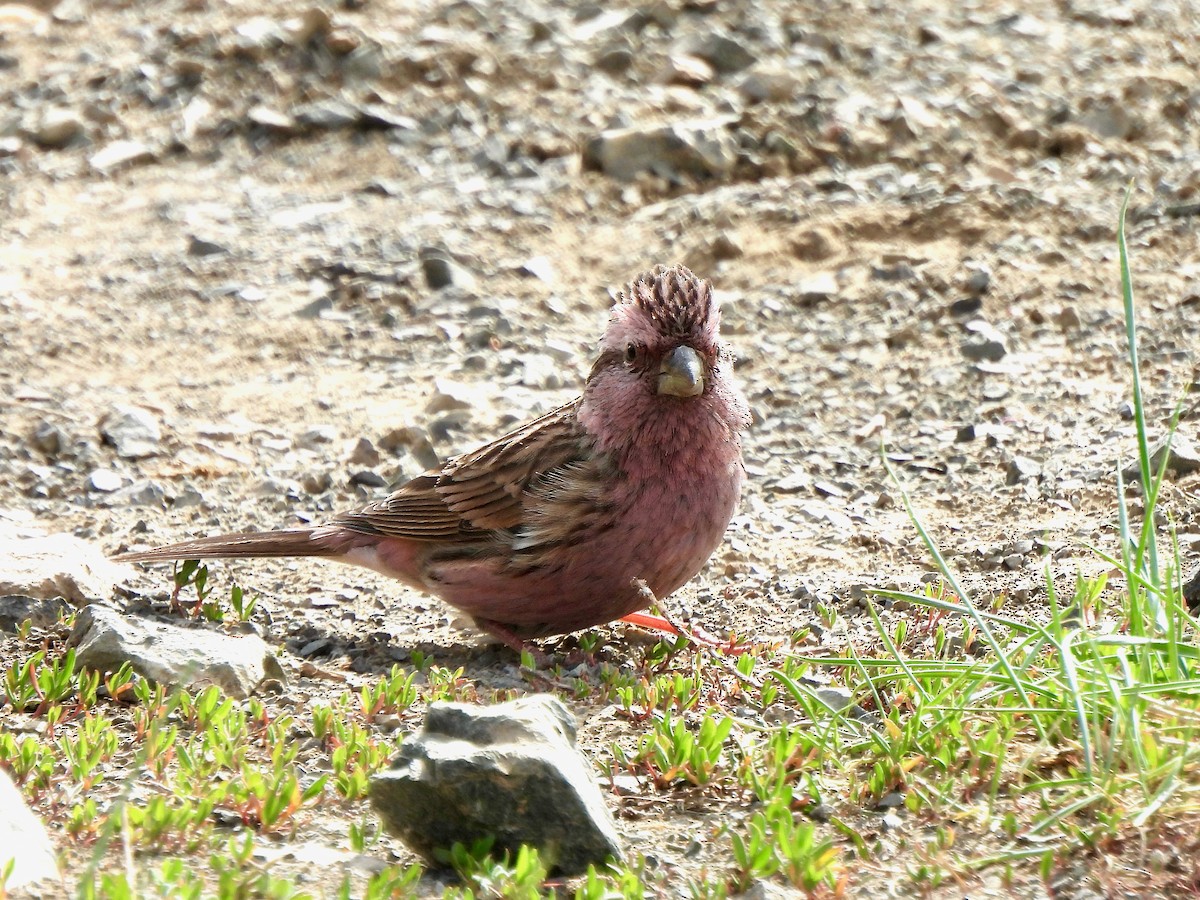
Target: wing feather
[(481, 491)]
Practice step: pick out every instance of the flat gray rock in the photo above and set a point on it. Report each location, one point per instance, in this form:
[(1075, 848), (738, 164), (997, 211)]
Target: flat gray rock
[(509, 771), (170, 655), (701, 148)]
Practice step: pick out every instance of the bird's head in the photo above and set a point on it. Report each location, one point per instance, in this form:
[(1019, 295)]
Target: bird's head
[(663, 333)]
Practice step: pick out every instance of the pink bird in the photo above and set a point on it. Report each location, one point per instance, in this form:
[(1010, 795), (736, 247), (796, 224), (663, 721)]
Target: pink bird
[(563, 523)]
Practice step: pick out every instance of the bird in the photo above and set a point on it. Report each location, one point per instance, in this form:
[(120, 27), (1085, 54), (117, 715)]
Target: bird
[(578, 518)]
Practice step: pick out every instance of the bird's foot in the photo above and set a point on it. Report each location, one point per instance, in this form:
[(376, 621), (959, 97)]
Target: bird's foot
[(666, 625)]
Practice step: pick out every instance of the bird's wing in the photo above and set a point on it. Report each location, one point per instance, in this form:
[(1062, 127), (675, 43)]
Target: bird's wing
[(484, 490)]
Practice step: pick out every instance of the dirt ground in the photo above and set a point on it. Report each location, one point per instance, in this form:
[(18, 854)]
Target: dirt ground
[(913, 236)]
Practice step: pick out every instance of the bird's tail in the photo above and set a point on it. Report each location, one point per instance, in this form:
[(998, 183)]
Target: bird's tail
[(245, 545)]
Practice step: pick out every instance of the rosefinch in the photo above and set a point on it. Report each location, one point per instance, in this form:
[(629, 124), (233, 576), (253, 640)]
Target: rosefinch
[(554, 527)]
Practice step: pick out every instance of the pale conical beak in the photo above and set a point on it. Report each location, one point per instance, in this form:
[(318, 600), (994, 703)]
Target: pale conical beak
[(682, 373)]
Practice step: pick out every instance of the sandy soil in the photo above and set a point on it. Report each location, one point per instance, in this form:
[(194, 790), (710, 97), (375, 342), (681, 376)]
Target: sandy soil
[(914, 239)]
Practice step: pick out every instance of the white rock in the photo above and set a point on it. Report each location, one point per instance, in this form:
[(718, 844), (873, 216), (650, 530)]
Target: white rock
[(23, 841), (133, 431), (57, 565)]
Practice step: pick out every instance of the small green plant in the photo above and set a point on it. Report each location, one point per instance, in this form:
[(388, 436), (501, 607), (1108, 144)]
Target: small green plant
[(391, 695), (519, 878), (40, 682), (777, 842), (674, 752)]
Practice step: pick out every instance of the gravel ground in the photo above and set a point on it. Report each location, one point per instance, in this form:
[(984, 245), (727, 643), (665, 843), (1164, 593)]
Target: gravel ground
[(325, 246)]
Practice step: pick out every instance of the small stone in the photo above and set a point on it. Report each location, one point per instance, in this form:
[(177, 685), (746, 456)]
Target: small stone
[(814, 245), (615, 60), (690, 71), (985, 345), (1068, 319), (41, 612), (699, 148), (48, 438), (258, 36), (266, 117), (1183, 457), (725, 246), (819, 287), (1021, 468), (441, 271), (452, 395), (966, 306), (722, 52), (104, 480), (367, 478), (143, 493), (315, 436), (979, 281), (775, 85), (416, 441), (364, 453), (342, 42), (121, 154), (58, 128), (198, 246), (316, 482), (890, 800), (313, 22), (132, 431), (327, 115), (539, 267), (835, 698)]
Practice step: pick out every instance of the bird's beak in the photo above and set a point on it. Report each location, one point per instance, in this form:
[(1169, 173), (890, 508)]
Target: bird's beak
[(681, 373)]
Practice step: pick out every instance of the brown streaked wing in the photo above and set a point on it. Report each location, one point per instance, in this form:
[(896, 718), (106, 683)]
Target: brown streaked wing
[(478, 491)]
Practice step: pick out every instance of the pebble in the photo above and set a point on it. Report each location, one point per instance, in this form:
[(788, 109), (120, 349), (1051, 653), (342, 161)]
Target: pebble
[(119, 155), (198, 246), (104, 480), (441, 271), (1021, 468), (132, 431), (818, 287), (979, 280), (985, 344), (539, 267), (364, 453), (48, 438), (316, 482), (775, 85), (690, 71), (57, 128), (315, 436), (367, 478), (703, 148), (722, 52), (326, 115)]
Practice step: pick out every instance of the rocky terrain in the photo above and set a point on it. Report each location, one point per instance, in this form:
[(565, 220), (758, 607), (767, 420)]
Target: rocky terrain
[(259, 261)]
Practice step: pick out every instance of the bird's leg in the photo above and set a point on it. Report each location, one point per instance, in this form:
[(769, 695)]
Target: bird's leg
[(664, 624), (510, 638)]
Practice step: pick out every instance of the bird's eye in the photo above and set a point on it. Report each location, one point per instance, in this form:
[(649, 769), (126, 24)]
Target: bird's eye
[(631, 353)]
